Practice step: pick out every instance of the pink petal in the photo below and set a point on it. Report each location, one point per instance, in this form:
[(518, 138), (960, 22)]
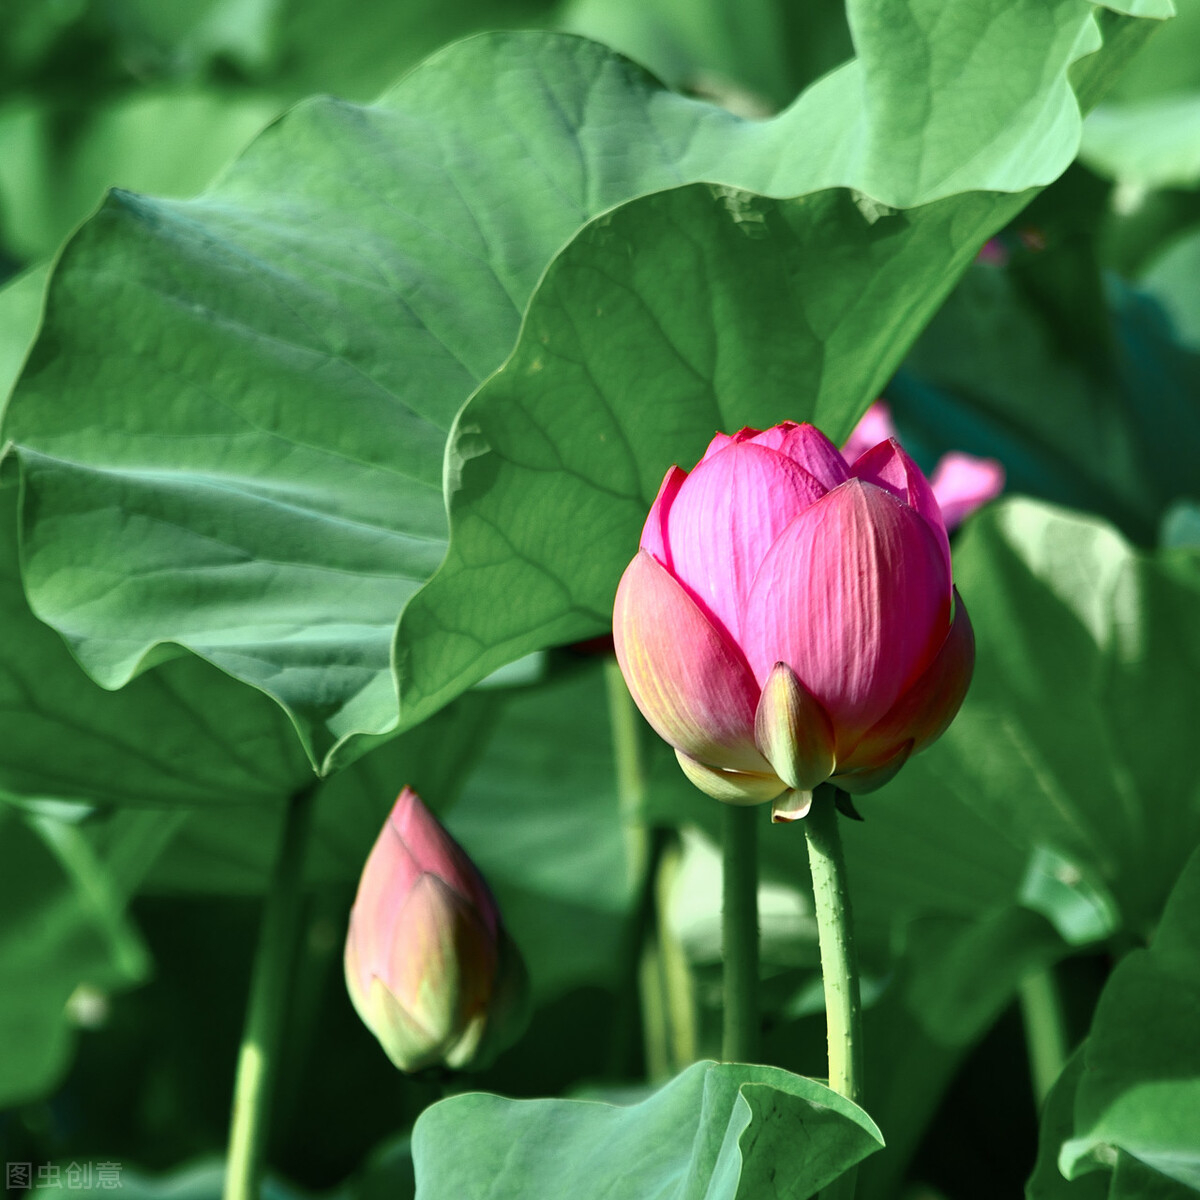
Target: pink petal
[(889, 467), (721, 440), (727, 513), (435, 852), (691, 683), (855, 598), (962, 483), (654, 532), (442, 961), (809, 448), (925, 710), (875, 427), (869, 779), (387, 878)]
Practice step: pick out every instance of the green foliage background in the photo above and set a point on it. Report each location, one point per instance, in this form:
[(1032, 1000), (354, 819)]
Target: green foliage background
[(311, 478)]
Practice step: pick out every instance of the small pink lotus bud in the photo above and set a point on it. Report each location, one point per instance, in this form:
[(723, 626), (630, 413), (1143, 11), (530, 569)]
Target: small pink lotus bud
[(429, 968), (790, 618)]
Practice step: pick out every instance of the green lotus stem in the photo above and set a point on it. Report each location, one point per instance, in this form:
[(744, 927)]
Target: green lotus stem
[(739, 928), (1045, 1031), (839, 966), (267, 1005)]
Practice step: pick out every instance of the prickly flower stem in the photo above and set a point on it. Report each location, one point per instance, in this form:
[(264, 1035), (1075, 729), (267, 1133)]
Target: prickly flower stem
[(839, 967), (739, 928), (270, 986)]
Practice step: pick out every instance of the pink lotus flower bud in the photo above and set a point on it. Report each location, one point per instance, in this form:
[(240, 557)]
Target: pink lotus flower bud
[(790, 618), (961, 482), (429, 968)]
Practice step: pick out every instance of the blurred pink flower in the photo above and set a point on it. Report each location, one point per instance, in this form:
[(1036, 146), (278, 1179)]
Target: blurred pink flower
[(961, 482)]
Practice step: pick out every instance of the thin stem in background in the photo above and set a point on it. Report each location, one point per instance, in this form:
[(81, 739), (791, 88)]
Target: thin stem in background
[(739, 929), (1045, 1030), (630, 766), (654, 969), (839, 966), (267, 1006), (668, 995)]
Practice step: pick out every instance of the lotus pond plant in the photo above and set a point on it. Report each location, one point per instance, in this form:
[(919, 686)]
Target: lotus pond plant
[(316, 482)]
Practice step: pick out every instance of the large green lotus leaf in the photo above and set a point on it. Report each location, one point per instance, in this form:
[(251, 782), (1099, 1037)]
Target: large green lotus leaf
[(1133, 1180), (715, 1132), (1123, 1177), (61, 926), (186, 737), (1140, 1087), (183, 735), (233, 423)]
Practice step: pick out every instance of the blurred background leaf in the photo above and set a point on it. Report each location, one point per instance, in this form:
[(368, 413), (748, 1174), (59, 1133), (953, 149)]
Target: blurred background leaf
[(64, 944), (1139, 1089)]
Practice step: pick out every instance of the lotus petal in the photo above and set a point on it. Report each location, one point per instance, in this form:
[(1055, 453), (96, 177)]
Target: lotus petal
[(889, 467), (654, 533), (725, 517), (433, 850), (406, 1042), (809, 448), (869, 779), (731, 787), (875, 427), (443, 960), (924, 712), (691, 683), (791, 806), (793, 731), (855, 597)]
